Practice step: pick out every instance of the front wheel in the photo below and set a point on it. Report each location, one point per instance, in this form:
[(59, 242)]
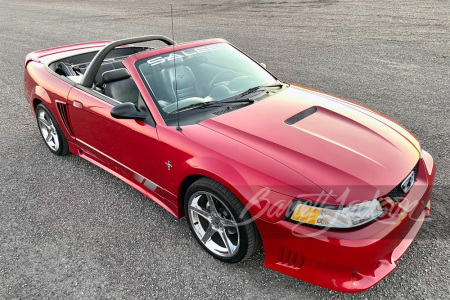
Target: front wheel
[(219, 221), (51, 132)]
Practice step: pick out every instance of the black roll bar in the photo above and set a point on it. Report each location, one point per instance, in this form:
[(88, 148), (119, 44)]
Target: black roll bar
[(91, 71)]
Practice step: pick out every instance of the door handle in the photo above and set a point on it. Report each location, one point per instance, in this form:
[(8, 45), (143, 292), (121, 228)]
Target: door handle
[(77, 104)]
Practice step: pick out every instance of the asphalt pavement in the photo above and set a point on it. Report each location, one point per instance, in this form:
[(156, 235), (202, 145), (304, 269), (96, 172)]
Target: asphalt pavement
[(69, 230)]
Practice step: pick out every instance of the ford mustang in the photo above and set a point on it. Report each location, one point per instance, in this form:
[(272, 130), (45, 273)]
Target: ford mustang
[(333, 191)]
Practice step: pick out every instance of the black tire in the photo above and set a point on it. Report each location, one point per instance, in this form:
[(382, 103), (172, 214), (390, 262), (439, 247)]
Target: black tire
[(59, 146), (249, 240)]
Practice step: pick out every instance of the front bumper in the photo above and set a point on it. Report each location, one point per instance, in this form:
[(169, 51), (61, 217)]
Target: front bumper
[(350, 261)]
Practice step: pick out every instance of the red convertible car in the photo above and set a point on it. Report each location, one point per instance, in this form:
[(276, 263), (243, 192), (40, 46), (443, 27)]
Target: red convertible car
[(334, 192)]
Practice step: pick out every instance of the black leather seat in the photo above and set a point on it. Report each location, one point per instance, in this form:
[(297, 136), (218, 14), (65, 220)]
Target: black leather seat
[(120, 86), (186, 84), (98, 80), (104, 67)]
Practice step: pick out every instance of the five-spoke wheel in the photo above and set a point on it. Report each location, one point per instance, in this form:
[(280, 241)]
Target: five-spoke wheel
[(219, 221), (214, 224), (50, 131)]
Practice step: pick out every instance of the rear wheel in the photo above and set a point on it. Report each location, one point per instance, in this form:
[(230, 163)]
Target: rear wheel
[(50, 131), (220, 222)]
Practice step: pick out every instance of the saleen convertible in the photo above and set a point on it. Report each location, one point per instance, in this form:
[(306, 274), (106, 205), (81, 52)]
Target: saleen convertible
[(334, 191)]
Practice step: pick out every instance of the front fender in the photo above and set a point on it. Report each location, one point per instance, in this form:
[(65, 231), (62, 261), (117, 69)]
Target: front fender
[(260, 201), (264, 186)]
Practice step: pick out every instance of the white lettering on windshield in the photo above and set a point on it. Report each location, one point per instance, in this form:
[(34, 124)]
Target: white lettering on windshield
[(184, 53)]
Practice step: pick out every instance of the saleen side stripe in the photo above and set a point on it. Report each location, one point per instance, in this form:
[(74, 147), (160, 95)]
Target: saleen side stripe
[(138, 177), (149, 184)]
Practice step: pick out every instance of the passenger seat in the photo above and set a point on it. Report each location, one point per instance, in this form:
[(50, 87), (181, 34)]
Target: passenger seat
[(104, 67), (120, 86), (98, 80)]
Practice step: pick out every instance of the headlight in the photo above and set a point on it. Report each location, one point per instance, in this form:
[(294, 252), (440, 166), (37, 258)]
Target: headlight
[(428, 159), (311, 213)]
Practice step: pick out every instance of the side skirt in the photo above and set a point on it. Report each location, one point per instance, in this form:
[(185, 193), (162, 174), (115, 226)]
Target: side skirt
[(170, 207)]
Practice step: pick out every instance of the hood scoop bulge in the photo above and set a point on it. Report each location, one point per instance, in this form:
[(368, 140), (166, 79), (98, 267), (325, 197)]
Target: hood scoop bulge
[(300, 116)]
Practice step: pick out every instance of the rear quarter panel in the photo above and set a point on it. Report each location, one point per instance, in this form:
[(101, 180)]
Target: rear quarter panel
[(42, 86)]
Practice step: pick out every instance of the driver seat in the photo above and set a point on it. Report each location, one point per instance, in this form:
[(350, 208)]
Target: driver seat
[(186, 84), (120, 86)]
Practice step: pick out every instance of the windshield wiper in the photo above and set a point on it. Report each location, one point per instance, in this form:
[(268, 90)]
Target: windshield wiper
[(258, 88), (209, 104), (194, 106), (236, 100)]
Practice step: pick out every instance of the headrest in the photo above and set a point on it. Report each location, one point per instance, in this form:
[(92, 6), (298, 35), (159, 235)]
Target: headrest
[(115, 75), (185, 77), (118, 64), (102, 69)]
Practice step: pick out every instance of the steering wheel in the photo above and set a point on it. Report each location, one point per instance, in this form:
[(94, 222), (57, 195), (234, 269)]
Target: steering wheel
[(221, 77), (220, 91), (240, 83)]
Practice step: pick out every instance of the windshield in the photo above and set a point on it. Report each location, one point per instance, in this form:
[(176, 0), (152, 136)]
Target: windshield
[(215, 72)]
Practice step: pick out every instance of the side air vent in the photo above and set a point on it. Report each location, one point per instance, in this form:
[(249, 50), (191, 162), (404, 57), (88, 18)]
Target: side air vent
[(291, 259), (63, 112), (397, 193), (228, 108), (301, 115)]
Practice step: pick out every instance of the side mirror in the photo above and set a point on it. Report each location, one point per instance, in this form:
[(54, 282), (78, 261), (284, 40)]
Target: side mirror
[(263, 65), (127, 111)]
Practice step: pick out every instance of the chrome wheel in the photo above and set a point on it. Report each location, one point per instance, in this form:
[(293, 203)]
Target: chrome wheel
[(48, 130), (213, 224)]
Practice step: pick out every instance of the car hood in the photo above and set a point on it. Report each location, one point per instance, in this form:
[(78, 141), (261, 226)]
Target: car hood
[(351, 152)]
